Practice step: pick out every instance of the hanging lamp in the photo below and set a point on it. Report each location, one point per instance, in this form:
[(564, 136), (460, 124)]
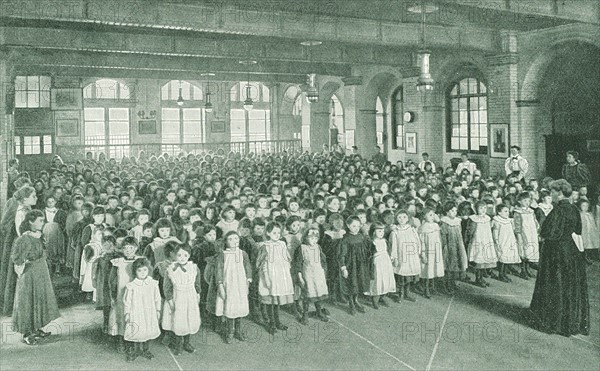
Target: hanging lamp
[(425, 81), (180, 98)]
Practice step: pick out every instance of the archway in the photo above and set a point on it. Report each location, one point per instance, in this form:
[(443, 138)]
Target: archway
[(375, 124), (565, 83)]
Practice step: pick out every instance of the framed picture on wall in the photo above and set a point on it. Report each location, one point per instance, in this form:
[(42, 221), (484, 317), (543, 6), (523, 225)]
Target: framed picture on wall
[(411, 143), (499, 140), (66, 99), (68, 127), (147, 126), (217, 126)]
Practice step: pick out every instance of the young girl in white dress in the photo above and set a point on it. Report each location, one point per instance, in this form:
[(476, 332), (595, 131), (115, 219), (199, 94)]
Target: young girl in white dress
[(589, 231), (182, 288), (233, 276), (309, 268), (382, 280), (480, 243), (505, 240), (431, 247), (526, 231), (275, 284), (90, 254), (406, 255), (142, 304)]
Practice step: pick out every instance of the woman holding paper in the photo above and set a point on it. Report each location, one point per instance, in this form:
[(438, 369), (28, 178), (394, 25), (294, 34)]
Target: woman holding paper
[(560, 299)]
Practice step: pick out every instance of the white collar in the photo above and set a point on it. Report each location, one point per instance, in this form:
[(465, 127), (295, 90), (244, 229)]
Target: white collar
[(502, 220)]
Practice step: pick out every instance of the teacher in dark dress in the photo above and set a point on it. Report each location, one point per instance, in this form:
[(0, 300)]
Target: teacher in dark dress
[(560, 299)]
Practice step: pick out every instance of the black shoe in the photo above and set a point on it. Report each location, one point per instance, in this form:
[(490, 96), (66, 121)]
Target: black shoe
[(375, 303), (303, 320), (480, 283), (188, 348), (281, 327), (359, 307), (383, 302), (121, 347), (410, 298), (427, 294), (503, 278), (229, 339), (493, 275), (272, 329), (42, 334), (30, 340), (326, 311), (352, 310), (146, 354), (322, 316), (524, 275), (239, 335)]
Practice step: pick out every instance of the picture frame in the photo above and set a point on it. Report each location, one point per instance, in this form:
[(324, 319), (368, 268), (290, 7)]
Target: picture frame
[(217, 126), (411, 143), (66, 99), (67, 127), (499, 140), (147, 127)]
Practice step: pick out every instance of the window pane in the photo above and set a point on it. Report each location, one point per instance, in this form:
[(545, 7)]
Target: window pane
[(266, 97), (234, 93), (475, 144), (170, 114), (464, 86), (474, 117), (454, 90), (45, 82), (17, 141), (454, 143), (192, 132), (185, 90), (21, 83), (33, 83), (118, 114), (21, 99), (191, 113), (33, 99), (106, 89), (474, 131), (88, 91), (482, 103), (463, 130), (94, 114), (197, 93), (463, 143), (164, 92), (482, 88), (238, 125), (473, 83), (119, 128), (455, 131), (463, 117), (483, 116)]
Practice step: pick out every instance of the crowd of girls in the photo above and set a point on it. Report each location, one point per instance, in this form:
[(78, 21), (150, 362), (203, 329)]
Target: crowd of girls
[(160, 244)]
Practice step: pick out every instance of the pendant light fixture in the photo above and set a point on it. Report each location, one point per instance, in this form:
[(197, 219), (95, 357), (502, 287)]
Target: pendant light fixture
[(312, 93), (180, 98), (208, 106), (425, 81), (248, 103)]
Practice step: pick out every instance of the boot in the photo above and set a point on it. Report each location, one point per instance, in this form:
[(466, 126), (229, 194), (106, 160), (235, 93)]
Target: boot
[(176, 344), (523, 273), (321, 312), (375, 301), (427, 293), (492, 274), (132, 351), (230, 330), (186, 344), (383, 302), (120, 345), (167, 338), (146, 351), (357, 305), (278, 323), (407, 295), (479, 279), (272, 328), (352, 309), (400, 295), (528, 272), (237, 332)]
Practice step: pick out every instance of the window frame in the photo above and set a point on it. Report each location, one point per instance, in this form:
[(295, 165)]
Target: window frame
[(449, 96), (19, 144), (42, 91), (398, 118)]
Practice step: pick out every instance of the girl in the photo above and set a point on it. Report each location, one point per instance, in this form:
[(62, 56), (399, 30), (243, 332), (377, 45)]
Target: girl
[(182, 291), (54, 233), (543, 207), (233, 277), (91, 253), (35, 303), (526, 231), (141, 305), (155, 251), (506, 243), (228, 223), (331, 247), (406, 255), (180, 221), (382, 277), (480, 243), (275, 281), (431, 247), (143, 217), (589, 231), (73, 218), (453, 248), (121, 275), (354, 263), (309, 266), (102, 276)]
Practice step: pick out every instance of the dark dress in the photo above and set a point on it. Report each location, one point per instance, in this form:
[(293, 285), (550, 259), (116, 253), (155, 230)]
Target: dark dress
[(354, 255), (8, 277), (35, 302), (560, 299)]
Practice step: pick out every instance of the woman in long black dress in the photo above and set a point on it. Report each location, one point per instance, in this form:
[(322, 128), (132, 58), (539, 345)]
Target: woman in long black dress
[(35, 302), (560, 299)]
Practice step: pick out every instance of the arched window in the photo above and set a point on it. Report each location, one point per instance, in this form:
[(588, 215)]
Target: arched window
[(297, 107), (336, 121), (253, 125), (379, 121), (398, 119), (106, 118), (181, 124), (466, 106)]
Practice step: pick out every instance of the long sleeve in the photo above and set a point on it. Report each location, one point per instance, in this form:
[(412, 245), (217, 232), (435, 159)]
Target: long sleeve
[(168, 287), (247, 265), (496, 232), (518, 219), (507, 168), (112, 282), (157, 296), (343, 252), (394, 245), (262, 256), (86, 236), (20, 251), (149, 254), (297, 262), (583, 174), (470, 234), (524, 167), (198, 281), (219, 267)]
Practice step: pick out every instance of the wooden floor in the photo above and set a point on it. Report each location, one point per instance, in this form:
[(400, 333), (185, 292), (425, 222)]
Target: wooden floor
[(476, 329)]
